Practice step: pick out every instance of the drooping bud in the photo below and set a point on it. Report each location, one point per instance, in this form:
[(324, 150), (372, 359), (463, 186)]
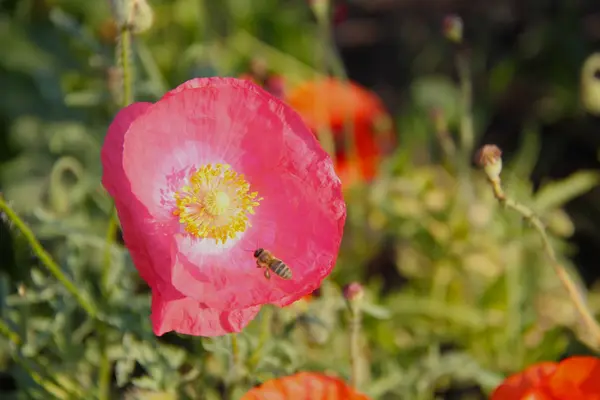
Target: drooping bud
[(137, 15), (320, 8), (489, 157), (453, 28), (353, 292)]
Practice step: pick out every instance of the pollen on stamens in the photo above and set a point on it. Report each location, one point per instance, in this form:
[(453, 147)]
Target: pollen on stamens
[(216, 203)]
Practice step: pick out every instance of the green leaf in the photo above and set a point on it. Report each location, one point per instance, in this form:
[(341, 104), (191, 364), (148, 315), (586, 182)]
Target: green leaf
[(556, 194), (123, 370), (145, 382), (376, 311)]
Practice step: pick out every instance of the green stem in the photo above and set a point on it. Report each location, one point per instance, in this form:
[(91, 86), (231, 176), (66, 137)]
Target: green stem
[(235, 355), (467, 135), (105, 368), (124, 58), (111, 233), (46, 259), (324, 133), (355, 354), (570, 286), (265, 334), (232, 377), (9, 333)]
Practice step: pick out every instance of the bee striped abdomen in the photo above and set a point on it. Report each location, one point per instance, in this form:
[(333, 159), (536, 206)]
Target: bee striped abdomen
[(281, 270)]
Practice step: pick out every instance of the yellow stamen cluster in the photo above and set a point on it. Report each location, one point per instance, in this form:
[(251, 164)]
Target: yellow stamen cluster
[(216, 203)]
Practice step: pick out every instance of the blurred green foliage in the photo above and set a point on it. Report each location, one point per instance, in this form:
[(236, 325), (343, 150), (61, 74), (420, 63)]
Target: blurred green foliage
[(476, 298)]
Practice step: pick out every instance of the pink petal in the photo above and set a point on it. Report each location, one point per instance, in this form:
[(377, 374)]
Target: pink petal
[(189, 317), (111, 155), (195, 127), (115, 182), (305, 232), (300, 220)]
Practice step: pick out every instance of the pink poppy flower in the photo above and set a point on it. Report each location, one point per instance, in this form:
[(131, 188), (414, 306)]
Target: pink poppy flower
[(215, 169)]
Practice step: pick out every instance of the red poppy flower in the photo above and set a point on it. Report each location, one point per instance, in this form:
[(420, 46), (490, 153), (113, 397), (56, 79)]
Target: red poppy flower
[(213, 170), (330, 103), (304, 385), (575, 378)]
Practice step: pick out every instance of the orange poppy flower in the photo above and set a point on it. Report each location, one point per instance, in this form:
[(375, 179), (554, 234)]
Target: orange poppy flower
[(575, 378), (304, 385), (330, 103)]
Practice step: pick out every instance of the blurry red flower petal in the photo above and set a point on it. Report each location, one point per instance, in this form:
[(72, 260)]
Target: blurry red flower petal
[(576, 378), (524, 385), (302, 386), (207, 123), (330, 103)]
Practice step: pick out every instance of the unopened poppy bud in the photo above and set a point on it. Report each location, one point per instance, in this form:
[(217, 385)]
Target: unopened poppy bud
[(276, 86), (139, 16), (320, 8), (489, 157), (353, 291), (453, 28), (590, 84)]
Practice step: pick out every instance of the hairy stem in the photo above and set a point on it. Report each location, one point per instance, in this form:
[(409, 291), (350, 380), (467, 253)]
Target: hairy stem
[(234, 360), (265, 333), (355, 354), (46, 259), (124, 57), (467, 135), (566, 280), (111, 233), (105, 371), (324, 133)]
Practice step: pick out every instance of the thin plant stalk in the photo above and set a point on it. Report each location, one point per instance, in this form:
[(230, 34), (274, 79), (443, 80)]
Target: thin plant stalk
[(324, 133), (9, 334), (467, 135), (124, 59), (265, 333), (111, 233), (105, 370), (573, 291), (330, 58), (234, 359), (46, 259), (355, 354)]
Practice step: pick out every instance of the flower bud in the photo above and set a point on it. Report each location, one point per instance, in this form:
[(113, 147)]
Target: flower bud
[(453, 28), (590, 84), (320, 8), (137, 15), (353, 292), (489, 157)]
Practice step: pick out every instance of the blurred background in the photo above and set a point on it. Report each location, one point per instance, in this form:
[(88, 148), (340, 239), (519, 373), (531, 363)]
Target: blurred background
[(458, 291)]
